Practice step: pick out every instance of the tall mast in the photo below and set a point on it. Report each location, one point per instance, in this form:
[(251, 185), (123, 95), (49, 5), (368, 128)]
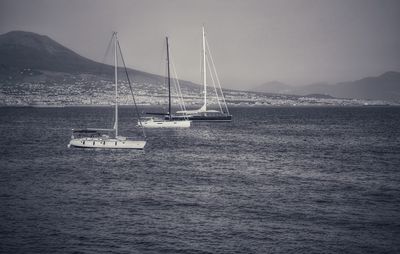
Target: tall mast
[(204, 72), (116, 83), (169, 81)]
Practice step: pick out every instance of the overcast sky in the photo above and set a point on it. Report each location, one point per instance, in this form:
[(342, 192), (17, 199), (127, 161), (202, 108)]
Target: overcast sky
[(252, 41)]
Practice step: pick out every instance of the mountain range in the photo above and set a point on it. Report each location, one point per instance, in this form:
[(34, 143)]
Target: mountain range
[(27, 56), (46, 59), (382, 87)]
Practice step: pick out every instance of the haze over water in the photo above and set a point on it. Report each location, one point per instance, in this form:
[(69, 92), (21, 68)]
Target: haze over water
[(286, 180)]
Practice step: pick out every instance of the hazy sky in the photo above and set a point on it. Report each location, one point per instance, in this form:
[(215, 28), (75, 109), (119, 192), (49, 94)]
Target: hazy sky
[(253, 41)]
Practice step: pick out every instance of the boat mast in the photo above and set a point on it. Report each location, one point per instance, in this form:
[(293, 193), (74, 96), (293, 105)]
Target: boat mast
[(116, 83), (204, 72), (169, 81)]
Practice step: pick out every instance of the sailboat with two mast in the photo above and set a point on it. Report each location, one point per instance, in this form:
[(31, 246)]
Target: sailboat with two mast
[(99, 138), (203, 113), (167, 122)]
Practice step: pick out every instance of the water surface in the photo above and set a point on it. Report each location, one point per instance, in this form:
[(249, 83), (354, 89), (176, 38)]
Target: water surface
[(280, 180)]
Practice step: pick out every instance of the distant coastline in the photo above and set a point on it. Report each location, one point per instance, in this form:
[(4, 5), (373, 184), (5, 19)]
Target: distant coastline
[(233, 106)]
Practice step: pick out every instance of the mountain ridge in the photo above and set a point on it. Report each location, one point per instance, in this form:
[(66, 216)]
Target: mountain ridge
[(382, 87), (30, 57), (21, 50)]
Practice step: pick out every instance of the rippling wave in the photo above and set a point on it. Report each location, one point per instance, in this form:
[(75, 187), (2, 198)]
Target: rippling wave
[(275, 180)]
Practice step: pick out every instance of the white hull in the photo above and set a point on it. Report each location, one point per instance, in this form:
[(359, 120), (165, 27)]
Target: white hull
[(109, 143), (166, 124)]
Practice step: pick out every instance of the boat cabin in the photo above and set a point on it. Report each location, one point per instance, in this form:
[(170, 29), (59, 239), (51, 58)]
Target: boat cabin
[(90, 133)]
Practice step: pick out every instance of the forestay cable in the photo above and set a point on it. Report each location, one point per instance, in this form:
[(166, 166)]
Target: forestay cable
[(215, 88), (219, 83), (178, 86), (130, 86)]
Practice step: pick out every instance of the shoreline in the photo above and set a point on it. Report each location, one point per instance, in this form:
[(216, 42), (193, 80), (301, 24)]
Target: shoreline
[(232, 106)]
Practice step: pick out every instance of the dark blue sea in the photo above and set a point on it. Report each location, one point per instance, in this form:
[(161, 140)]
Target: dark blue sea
[(275, 180)]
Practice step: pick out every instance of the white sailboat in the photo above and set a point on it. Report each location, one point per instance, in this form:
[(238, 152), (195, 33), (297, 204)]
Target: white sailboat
[(203, 113), (167, 121), (100, 138), (152, 122)]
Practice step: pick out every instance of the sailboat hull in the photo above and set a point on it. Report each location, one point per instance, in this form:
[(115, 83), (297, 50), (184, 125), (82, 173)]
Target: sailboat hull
[(181, 123), (204, 118), (106, 143)]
